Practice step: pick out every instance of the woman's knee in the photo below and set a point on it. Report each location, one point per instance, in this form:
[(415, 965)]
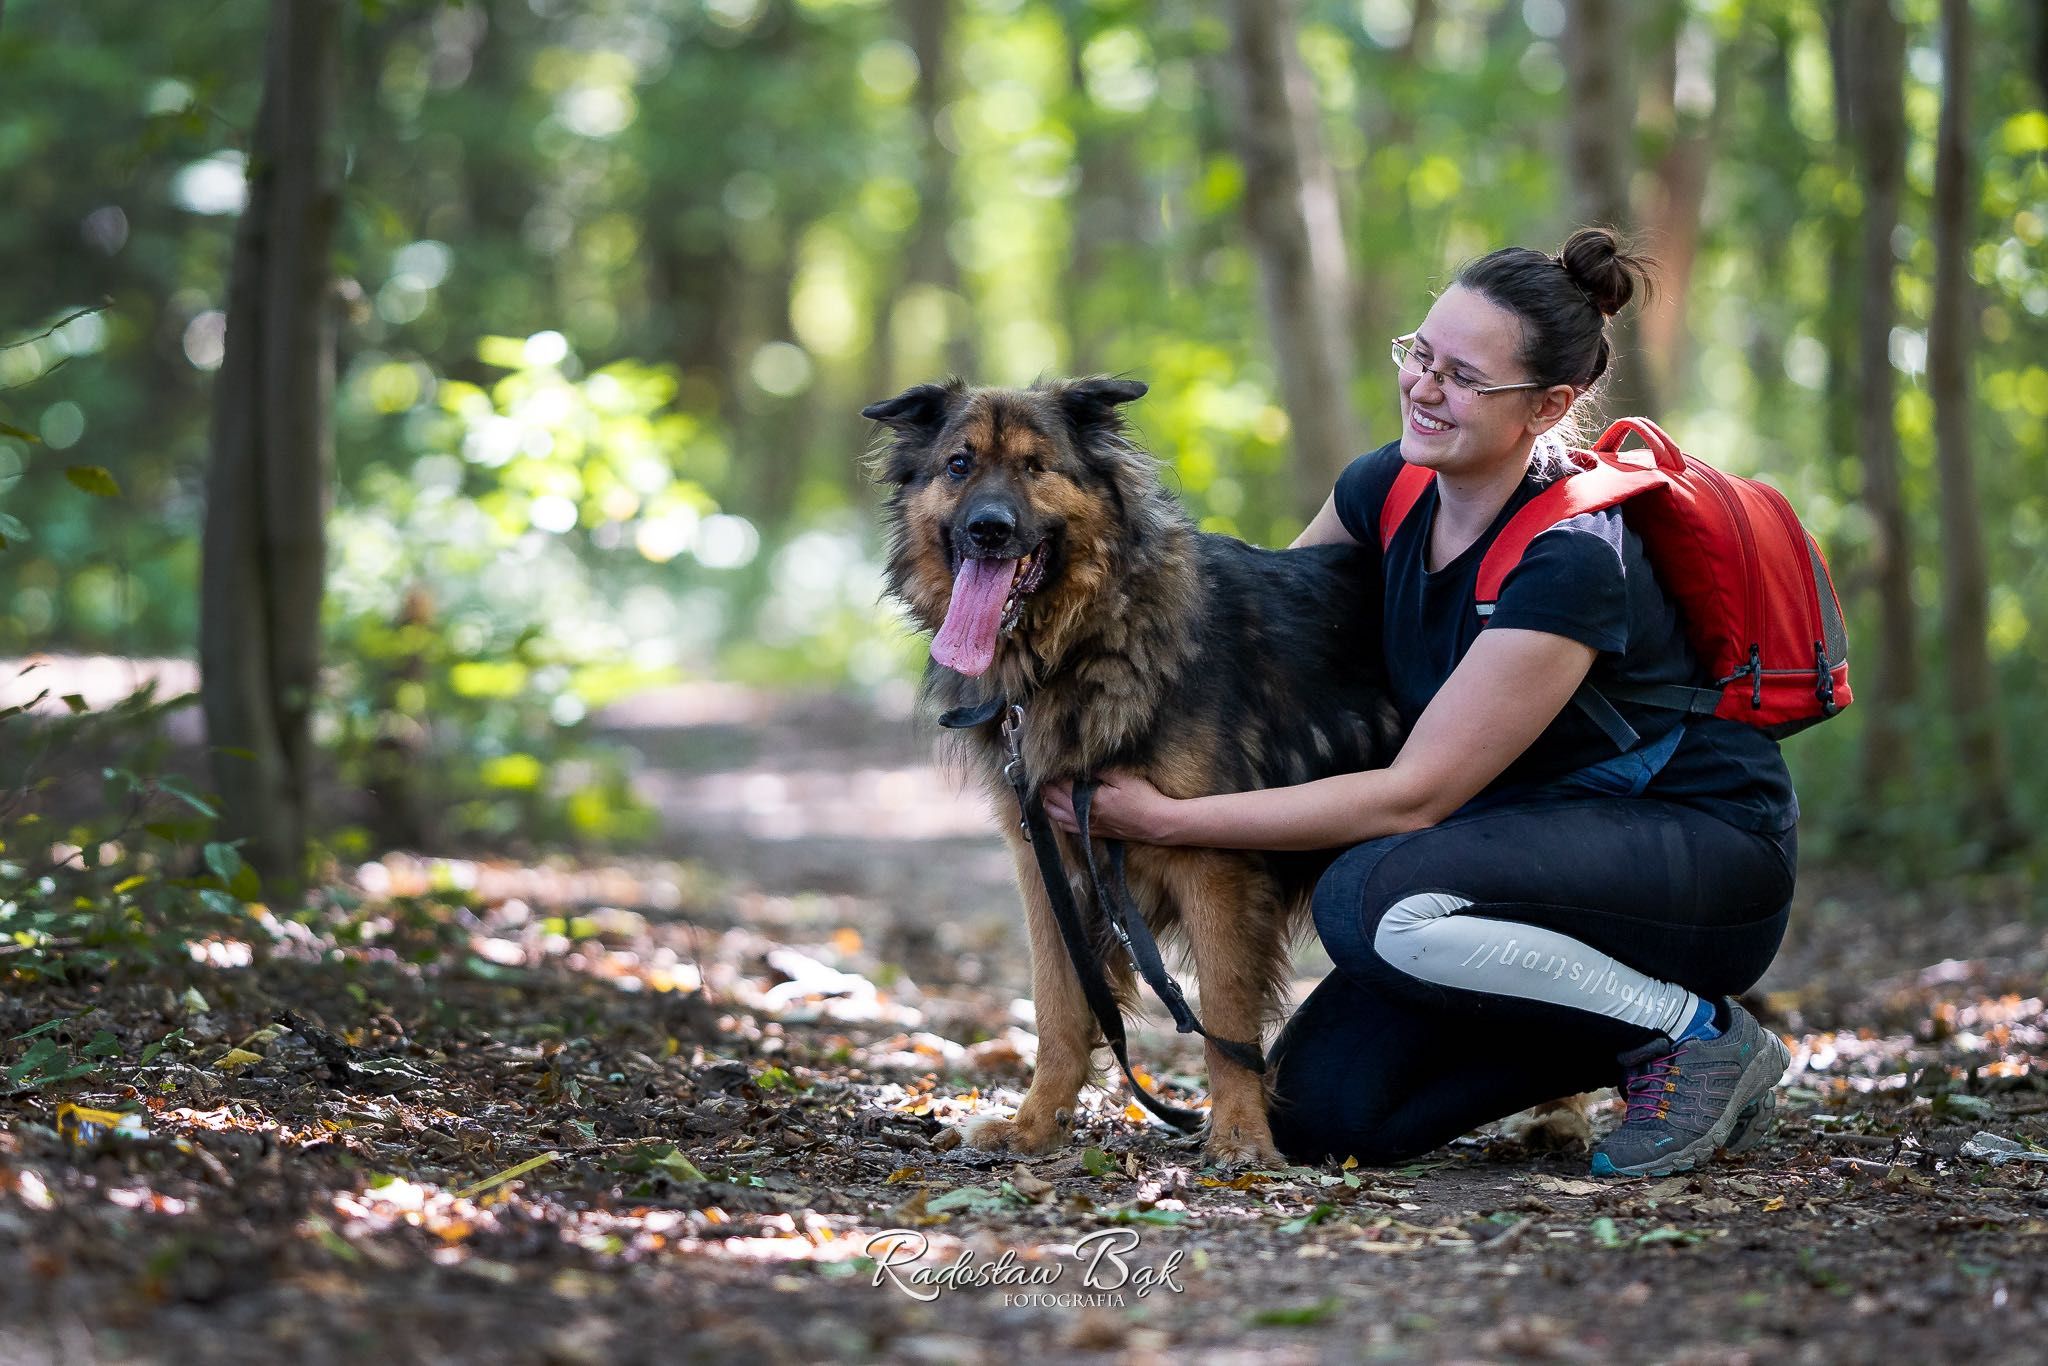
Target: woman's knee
[(1352, 896), (1323, 1116), (1337, 1071)]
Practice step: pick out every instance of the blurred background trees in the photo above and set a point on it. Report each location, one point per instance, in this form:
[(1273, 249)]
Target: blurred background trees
[(611, 279)]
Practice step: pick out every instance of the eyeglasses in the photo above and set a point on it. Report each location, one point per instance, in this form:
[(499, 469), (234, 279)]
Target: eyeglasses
[(1405, 360)]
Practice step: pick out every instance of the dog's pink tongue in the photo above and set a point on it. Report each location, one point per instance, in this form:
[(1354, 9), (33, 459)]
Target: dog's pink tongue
[(966, 643)]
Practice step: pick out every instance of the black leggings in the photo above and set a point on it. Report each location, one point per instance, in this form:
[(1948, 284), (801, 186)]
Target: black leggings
[(1381, 1064)]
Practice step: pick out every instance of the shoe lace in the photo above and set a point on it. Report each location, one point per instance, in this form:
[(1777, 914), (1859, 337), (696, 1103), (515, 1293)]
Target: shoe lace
[(1650, 1087)]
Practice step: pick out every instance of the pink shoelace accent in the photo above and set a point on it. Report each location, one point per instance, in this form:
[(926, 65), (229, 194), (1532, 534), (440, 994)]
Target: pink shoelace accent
[(1647, 1088)]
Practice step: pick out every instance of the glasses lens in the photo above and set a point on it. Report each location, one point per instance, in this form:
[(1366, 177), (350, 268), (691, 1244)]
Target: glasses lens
[(1404, 358)]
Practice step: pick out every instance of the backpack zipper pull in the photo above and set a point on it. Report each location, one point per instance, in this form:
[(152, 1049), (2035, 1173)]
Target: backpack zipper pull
[(1824, 685), (1756, 673)]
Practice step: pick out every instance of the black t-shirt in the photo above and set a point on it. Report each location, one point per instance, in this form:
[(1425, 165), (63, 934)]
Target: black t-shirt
[(1585, 578)]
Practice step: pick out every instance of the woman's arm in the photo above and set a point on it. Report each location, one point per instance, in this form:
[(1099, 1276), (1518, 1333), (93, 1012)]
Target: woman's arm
[(1510, 685), (1327, 528)]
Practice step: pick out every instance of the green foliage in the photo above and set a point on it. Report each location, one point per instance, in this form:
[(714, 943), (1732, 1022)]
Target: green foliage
[(94, 479), (120, 874), (600, 375), (46, 1062), (475, 611), (1296, 1316)]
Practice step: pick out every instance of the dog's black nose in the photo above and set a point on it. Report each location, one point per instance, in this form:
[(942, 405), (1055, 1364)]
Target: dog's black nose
[(990, 527)]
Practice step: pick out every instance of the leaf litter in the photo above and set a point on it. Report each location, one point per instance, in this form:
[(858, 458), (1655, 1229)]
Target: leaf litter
[(492, 1114)]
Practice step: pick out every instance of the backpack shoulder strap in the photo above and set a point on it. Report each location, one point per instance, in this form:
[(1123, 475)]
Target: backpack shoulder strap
[(1603, 486), (1401, 500)]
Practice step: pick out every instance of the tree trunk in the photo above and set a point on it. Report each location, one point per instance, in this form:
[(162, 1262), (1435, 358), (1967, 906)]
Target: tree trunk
[(1598, 73), (1290, 197), (2040, 36), (1688, 66), (264, 550), (1972, 690), (930, 259), (1389, 122), (1108, 222), (1783, 158), (1870, 72)]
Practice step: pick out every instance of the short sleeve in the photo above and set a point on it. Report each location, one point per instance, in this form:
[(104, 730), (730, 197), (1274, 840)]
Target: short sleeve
[(1362, 490), (1571, 582)]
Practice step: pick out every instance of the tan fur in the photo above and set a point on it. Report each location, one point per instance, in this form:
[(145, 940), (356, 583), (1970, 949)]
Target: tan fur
[(1237, 933), (1554, 1126)]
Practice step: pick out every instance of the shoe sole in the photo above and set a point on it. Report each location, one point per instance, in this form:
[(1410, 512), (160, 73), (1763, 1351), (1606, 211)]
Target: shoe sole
[(1756, 1100)]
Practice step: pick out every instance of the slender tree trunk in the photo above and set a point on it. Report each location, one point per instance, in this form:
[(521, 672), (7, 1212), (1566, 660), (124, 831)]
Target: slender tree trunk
[(1389, 124), (1688, 67), (1596, 44), (1085, 225), (1290, 198), (1109, 220), (1972, 691), (1871, 74), (264, 551), (1783, 158), (931, 258), (2040, 53), (1841, 310), (1599, 73), (759, 304)]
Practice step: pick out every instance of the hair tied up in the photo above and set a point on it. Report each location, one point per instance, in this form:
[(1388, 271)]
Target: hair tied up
[(1602, 271), (1591, 302)]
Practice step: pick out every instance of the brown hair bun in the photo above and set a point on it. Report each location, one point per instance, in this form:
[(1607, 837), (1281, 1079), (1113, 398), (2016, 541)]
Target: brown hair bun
[(1608, 276)]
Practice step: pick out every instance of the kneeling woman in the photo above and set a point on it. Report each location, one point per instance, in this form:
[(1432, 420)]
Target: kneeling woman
[(1521, 913)]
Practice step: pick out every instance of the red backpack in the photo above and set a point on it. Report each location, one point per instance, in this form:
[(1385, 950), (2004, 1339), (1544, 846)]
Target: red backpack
[(1755, 596)]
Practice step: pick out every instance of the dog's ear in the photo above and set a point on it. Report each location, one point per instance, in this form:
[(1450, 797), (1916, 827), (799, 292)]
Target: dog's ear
[(1091, 403), (921, 407)]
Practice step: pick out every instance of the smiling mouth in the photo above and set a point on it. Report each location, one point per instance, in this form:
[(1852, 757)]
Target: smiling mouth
[(1429, 423)]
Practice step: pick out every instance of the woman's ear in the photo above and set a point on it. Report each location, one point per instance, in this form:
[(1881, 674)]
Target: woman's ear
[(1550, 407)]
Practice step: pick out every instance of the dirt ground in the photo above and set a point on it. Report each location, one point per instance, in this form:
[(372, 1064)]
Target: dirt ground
[(662, 1110)]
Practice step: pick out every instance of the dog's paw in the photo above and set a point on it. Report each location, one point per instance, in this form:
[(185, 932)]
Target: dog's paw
[(1020, 1135), (1246, 1145), (1555, 1126)]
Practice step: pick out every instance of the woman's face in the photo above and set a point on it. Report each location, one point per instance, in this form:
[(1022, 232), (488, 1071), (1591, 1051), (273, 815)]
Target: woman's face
[(1446, 427)]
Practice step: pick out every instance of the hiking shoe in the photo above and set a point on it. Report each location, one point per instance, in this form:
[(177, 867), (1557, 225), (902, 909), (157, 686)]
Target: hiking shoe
[(1686, 1100)]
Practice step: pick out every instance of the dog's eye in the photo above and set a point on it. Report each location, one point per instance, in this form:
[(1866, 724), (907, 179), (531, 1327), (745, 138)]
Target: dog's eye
[(959, 465)]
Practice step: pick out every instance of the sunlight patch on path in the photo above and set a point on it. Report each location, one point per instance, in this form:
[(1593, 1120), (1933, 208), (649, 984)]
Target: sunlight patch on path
[(912, 802), (102, 680)]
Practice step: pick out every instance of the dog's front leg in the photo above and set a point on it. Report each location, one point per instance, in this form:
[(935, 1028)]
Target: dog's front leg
[(1066, 1029), (1235, 932)]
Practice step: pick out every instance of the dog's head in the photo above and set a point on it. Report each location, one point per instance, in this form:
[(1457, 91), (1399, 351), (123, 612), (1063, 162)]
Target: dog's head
[(1010, 509)]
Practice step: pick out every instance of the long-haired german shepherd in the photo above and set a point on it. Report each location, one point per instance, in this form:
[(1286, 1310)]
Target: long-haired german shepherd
[(1036, 540)]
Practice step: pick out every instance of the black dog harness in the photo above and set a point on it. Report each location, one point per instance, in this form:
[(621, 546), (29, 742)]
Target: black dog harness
[(1125, 921)]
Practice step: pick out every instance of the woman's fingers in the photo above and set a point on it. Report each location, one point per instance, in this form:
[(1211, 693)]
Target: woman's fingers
[(1059, 805)]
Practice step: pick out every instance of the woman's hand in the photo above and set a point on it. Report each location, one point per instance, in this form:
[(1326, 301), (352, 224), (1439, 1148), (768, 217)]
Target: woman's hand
[(1126, 807)]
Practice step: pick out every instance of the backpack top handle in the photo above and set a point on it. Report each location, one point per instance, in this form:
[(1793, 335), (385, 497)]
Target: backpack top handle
[(1662, 448)]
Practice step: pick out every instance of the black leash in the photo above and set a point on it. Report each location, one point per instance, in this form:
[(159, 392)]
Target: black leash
[(1125, 921)]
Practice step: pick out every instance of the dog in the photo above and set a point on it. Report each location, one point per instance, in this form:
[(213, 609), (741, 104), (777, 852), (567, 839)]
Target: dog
[(1035, 540)]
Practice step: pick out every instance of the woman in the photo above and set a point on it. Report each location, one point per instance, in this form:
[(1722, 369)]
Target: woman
[(1522, 912)]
